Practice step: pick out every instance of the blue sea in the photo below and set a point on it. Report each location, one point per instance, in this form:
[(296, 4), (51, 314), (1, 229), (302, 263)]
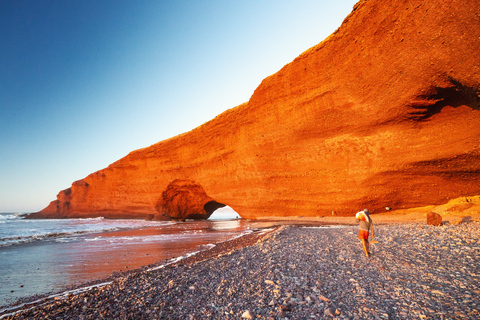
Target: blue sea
[(45, 256)]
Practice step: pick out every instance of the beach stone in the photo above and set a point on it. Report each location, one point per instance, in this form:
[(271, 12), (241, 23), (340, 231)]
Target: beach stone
[(434, 219), (320, 297), (330, 312), (281, 314), (247, 315), (284, 307)]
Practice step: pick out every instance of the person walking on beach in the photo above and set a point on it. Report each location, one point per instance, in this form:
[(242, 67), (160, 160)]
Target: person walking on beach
[(364, 225)]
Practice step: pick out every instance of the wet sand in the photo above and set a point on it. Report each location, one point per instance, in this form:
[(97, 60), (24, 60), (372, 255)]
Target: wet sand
[(297, 272)]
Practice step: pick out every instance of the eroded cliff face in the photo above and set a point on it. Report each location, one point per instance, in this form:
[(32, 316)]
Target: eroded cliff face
[(384, 112)]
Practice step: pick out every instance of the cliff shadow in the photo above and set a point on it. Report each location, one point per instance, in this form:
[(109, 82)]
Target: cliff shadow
[(211, 206), (454, 95)]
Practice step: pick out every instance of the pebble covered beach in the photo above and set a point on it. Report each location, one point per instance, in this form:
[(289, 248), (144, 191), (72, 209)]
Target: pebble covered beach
[(416, 271)]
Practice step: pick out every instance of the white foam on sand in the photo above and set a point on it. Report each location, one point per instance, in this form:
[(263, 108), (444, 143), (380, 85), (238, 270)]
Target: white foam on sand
[(177, 259), (326, 227), (206, 247), (59, 296)]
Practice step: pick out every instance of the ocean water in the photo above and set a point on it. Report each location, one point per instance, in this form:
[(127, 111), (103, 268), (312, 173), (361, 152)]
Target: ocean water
[(43, 256)]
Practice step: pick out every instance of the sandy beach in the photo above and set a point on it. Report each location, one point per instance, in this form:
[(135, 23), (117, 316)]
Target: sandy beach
[(299, 270)]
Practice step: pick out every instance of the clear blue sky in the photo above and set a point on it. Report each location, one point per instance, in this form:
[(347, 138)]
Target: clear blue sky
[(83, 83)]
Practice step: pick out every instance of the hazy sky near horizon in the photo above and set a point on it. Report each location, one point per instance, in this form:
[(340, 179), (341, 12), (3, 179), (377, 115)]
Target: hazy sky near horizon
[(83, 82)]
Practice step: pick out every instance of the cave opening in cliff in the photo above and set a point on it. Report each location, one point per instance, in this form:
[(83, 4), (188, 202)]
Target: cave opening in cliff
[(224, 213)]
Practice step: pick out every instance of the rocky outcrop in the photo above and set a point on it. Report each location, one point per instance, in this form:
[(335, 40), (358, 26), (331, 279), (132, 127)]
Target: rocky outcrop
[(434, 219), (384, 112), (185, 199)]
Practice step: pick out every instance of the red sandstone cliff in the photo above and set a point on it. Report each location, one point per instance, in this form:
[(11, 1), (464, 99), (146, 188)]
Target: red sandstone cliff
[(384, 112)]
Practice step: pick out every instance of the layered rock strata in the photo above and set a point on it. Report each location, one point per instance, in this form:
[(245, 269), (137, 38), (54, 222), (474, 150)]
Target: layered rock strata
[(384, 112)]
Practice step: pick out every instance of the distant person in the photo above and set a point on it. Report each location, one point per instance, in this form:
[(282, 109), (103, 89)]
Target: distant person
[(364, 225)]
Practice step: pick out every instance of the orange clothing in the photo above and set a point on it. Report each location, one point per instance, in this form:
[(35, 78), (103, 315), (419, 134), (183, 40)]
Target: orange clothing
[(363, 235)]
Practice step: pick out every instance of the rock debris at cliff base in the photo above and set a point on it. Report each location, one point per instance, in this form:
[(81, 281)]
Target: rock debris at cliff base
[(415, 272)]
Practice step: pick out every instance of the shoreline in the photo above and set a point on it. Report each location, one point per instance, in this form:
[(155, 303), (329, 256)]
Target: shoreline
[(266, 231), (193, 257), (55, 264)]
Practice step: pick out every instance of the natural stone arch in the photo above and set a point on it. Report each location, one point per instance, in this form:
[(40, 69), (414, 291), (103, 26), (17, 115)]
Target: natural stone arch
[(185, 199)]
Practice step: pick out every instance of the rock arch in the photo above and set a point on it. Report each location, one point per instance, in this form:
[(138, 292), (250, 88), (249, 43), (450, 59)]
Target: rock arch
[(185, 199)]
